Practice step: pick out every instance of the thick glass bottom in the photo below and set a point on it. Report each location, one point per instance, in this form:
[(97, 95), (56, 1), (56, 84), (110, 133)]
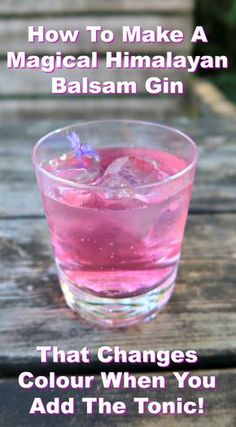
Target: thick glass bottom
[(118, 312)]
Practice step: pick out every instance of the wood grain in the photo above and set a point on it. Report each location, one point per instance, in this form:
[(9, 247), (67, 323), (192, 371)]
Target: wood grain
[(219, 403), (63, 6), (14, 34), (89, 108), (201, 314), (215, 187)]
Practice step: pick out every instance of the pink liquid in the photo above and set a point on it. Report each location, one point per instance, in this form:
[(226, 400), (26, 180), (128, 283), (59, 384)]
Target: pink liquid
[(119, 246)]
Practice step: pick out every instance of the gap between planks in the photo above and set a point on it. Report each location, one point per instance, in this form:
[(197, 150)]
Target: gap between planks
[(223, 362)]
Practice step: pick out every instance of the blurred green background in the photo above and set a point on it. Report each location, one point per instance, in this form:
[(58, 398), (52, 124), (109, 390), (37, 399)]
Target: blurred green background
[(218, 17)]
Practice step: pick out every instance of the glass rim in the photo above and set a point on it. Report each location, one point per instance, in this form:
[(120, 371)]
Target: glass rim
[(81, 186)]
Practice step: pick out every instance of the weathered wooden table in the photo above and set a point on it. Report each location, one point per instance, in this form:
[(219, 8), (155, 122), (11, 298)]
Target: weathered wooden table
[(200, 316)]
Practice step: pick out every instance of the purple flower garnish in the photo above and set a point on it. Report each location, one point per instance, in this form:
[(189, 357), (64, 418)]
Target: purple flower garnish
[(81, 149)]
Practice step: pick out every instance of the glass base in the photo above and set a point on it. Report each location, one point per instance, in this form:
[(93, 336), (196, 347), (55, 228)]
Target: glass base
[(118, 312)]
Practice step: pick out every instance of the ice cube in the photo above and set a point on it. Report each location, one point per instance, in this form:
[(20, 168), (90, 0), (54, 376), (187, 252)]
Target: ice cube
[(116, 188), (124, 174), (132, 171), (114, 181), (68, 167), (78, 175)]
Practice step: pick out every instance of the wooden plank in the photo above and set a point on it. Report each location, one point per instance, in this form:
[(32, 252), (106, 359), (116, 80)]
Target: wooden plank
[(14, 34), (213, 98), (201, 315), (215, 186), (34, 82), (220, 404), (61, 6), (89, 108)]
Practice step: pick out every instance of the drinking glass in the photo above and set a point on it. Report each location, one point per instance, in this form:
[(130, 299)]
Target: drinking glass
[(117, 246)]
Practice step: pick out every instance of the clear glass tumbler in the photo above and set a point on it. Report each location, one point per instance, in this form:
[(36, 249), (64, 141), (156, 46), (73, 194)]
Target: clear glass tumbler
[(117, 234)]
